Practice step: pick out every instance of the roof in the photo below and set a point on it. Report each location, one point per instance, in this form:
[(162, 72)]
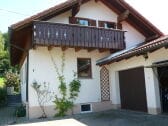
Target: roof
[(119, 6), (135, 50), (44, 14)]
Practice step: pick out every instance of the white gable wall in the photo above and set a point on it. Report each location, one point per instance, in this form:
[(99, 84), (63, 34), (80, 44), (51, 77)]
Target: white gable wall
[(99, 11), (132, 36)]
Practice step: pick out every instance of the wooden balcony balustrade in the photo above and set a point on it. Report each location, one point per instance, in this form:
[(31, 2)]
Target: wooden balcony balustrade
[(68, 35)]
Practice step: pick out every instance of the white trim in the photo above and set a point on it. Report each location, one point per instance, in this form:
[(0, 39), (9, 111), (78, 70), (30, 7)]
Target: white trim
[(86, 111)]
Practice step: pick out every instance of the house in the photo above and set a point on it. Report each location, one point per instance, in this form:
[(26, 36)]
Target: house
[(121, 52)]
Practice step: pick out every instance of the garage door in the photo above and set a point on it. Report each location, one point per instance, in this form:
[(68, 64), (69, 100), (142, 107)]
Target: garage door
[(132, 89)]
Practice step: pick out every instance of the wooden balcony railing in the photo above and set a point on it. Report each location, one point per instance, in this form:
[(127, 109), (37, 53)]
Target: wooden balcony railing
[(55, 34)]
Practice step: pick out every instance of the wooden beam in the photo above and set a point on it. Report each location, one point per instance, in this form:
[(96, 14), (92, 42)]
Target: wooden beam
[(113, 50), (76, 8), (90, 49), (50, 48), (151, 38), (64, 48), (97, 0), (77, 49), (123, 16), (34, 47), (166, 47), (103, 50)]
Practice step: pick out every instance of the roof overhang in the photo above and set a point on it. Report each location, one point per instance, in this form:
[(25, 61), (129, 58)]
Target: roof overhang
[(137, 50)]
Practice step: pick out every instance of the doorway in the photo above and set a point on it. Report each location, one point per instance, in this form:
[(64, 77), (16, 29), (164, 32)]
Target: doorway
[(163, 80)]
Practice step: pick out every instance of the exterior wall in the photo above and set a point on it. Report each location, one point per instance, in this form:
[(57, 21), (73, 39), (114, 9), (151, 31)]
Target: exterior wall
[(132, 36), (23, 80), (35, 111), (41, 69), (99, 11), (152, 86)]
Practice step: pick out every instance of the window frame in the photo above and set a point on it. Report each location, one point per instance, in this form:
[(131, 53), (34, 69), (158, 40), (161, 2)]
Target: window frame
[(74, 20), (90, 70), (101, 24)]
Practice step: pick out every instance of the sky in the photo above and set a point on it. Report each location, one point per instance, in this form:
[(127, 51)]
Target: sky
[(12, 11)]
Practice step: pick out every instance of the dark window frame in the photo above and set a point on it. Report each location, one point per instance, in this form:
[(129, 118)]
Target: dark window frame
[(74, 20), (101, 24), (90, 70)]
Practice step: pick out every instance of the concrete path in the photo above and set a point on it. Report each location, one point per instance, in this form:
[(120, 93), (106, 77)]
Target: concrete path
[(108, 118)]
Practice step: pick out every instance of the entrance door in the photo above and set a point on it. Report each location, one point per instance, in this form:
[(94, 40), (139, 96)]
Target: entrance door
[(132, 89), (104, 81), (163, 80)]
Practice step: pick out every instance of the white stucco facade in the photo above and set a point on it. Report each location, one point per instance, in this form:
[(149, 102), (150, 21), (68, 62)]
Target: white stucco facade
[(41, 69), (151, 80), (23, 75)]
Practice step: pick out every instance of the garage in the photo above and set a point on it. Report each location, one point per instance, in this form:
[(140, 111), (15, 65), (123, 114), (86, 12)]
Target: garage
[(132, 89)]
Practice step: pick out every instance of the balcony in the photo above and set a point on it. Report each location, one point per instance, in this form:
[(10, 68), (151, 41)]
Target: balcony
[(68, 35)]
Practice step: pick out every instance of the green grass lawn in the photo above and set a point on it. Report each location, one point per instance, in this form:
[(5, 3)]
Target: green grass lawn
[(2, 82)]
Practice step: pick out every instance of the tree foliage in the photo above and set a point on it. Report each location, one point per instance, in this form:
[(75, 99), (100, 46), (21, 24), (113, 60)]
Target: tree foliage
[(4, 53)]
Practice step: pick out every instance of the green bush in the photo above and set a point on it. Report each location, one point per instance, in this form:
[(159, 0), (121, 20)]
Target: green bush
[(3, 94), (12, 79), (2, 84), (20, 111)]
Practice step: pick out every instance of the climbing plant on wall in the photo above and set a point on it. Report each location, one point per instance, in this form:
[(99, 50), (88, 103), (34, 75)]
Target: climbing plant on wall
[(68, 94)]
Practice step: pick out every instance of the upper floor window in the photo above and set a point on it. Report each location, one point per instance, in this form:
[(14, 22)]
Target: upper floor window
[(107, 24), (84, 67), (82, 21)]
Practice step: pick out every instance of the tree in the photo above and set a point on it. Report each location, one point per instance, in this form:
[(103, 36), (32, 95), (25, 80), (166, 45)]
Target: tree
[(1, 43), (6, 41), (4, 53)]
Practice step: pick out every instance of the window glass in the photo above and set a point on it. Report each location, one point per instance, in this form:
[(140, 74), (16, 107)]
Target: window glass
[(109, 25), (84, 68), (83, 22)]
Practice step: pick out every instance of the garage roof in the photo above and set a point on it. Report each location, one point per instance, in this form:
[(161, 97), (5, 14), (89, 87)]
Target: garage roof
[(135, 50)]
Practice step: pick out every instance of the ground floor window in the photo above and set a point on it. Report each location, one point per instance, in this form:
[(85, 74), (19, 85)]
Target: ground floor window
[(84, 67), (86, 108)]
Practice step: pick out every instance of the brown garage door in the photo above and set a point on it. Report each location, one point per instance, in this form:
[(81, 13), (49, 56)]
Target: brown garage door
[(132, 89)]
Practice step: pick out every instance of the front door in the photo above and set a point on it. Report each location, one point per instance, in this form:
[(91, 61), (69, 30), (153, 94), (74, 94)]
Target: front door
[(104, 81), (163, 80)]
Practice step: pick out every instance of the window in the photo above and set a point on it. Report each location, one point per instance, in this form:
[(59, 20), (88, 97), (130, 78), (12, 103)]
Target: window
[(82, 21), (84, 68), (107, 24), (86, 108)]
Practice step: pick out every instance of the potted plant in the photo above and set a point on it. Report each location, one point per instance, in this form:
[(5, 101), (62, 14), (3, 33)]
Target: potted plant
[(11, 82)]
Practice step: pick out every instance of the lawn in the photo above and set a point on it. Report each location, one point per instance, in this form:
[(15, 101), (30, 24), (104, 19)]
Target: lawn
[(2, 82)]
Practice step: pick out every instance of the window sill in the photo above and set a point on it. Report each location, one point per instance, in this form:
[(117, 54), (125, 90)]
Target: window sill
[(81, 78)]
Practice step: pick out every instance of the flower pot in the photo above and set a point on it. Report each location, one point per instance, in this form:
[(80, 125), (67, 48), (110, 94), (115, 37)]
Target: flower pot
[(10, 90)]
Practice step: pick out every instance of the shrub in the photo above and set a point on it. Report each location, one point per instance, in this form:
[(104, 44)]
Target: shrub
[(20, 111), (3, 96), (12, 79)]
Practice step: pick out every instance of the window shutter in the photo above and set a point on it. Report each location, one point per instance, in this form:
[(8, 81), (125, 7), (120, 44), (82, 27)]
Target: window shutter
[(92, 22), (72, 20), (101, 24)]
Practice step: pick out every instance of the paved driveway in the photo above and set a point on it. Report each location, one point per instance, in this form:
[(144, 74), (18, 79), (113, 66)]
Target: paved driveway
[(110, 118)]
